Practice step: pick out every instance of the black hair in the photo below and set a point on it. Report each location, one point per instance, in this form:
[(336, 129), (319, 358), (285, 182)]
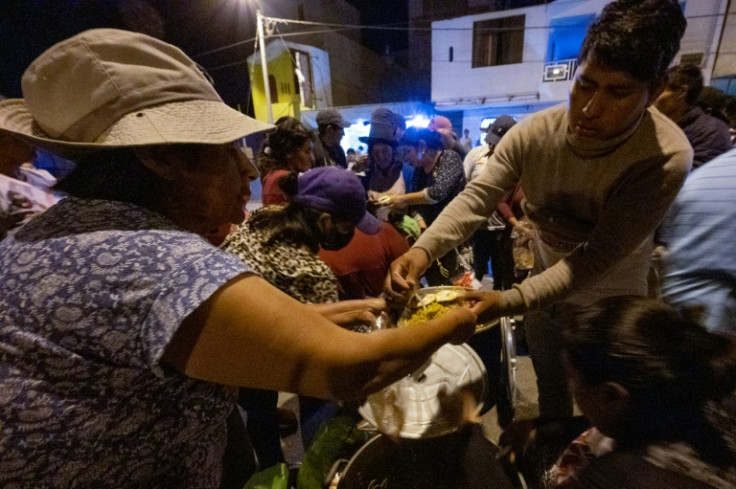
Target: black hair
[(293, 223), (289, 136), (670, 365), (729, 110), (414, 135), (118, 174), (372, 143), (713, 102), (686, 76), (639, 37)]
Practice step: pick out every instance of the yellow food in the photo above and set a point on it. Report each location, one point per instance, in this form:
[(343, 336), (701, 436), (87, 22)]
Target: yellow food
[(423, 314)]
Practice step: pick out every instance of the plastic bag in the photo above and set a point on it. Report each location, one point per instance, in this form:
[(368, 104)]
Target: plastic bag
[(275, 477), (337, 438)]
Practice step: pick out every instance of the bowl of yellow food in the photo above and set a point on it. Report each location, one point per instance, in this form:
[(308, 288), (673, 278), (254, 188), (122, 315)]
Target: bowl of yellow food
[(433, 302)]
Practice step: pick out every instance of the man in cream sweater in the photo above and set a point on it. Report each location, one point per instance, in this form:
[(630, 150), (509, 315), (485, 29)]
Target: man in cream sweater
[(599, 173)]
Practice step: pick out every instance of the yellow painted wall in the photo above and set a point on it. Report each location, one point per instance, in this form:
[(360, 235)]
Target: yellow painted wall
[(288, 101)]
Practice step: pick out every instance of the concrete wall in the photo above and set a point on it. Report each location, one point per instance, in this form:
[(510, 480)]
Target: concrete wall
[(725, 64), (357, 74), (457, 82), (492, 91)]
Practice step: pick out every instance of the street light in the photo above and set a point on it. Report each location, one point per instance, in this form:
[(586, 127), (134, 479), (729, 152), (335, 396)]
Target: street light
[(264, 66)]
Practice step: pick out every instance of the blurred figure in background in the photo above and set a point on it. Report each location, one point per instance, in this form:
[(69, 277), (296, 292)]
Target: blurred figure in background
[(729, 110), (450, 141), (708, 135), (465, 142), (330, 130), (24, 189), (385, 173), (288, 149), (492, 241)]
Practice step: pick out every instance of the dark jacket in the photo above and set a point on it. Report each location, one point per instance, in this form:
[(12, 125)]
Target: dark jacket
[(329, 155), (708, 135)]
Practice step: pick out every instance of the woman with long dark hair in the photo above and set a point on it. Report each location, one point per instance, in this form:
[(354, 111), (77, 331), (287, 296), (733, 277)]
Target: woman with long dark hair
[(662, 388), (288, 149)]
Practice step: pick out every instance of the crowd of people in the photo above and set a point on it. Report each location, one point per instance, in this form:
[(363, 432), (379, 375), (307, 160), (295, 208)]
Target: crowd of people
[(141, 303)]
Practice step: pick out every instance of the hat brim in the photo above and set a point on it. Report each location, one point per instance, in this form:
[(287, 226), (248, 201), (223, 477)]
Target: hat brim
[(369, 224), (369, 140), (180, 122), (492, 138)]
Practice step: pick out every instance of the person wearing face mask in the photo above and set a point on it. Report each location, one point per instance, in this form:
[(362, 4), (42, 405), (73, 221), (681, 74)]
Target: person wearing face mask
[(325, 206), (281, 243)]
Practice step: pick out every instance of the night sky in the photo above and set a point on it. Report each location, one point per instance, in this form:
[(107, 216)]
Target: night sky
[(28, 27)]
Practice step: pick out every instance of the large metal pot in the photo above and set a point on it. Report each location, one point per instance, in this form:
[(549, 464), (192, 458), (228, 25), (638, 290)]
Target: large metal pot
[(465, 459)]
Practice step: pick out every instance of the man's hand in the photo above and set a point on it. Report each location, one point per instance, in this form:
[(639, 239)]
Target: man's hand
[(485, 304), (403, 275)]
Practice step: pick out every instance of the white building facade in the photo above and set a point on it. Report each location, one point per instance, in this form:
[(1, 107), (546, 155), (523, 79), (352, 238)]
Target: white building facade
[(522, 60)]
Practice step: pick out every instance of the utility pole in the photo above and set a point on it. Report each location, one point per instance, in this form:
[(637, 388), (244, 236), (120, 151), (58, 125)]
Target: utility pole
[(264, 65)]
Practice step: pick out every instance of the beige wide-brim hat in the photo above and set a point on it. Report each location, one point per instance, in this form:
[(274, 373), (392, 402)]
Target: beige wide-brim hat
[(109, 88)]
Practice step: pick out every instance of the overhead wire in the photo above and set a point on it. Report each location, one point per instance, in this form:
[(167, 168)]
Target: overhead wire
[(392, 27), (336, 28)]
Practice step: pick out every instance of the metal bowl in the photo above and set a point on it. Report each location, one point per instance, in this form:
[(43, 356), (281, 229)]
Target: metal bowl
[(408, 311)]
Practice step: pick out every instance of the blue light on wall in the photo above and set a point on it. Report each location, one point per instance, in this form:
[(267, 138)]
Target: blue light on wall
[(566, 36)]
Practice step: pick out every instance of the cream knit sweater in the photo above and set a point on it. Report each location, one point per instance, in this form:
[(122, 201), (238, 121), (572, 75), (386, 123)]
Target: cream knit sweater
[(594, 205)]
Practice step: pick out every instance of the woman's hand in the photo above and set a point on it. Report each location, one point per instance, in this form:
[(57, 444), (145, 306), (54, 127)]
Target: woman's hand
[(353, 312), (464, 320), (396, 202), (485, 304)]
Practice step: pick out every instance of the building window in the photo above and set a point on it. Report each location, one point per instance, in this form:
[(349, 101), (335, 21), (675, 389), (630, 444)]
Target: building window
[(498, 41)]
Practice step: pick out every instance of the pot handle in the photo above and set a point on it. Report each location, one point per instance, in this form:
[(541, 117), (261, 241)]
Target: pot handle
[(337, 467)]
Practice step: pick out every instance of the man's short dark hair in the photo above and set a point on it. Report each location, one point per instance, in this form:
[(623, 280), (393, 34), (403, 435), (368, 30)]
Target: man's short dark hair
[(686, 76), (639, 37)]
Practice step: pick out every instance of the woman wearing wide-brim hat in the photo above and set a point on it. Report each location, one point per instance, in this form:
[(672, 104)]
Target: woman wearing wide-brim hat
[(123, 329), (385, 173)]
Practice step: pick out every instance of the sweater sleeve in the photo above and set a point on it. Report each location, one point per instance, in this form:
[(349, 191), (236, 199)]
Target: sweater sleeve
[(635, 208), (474, 204)]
